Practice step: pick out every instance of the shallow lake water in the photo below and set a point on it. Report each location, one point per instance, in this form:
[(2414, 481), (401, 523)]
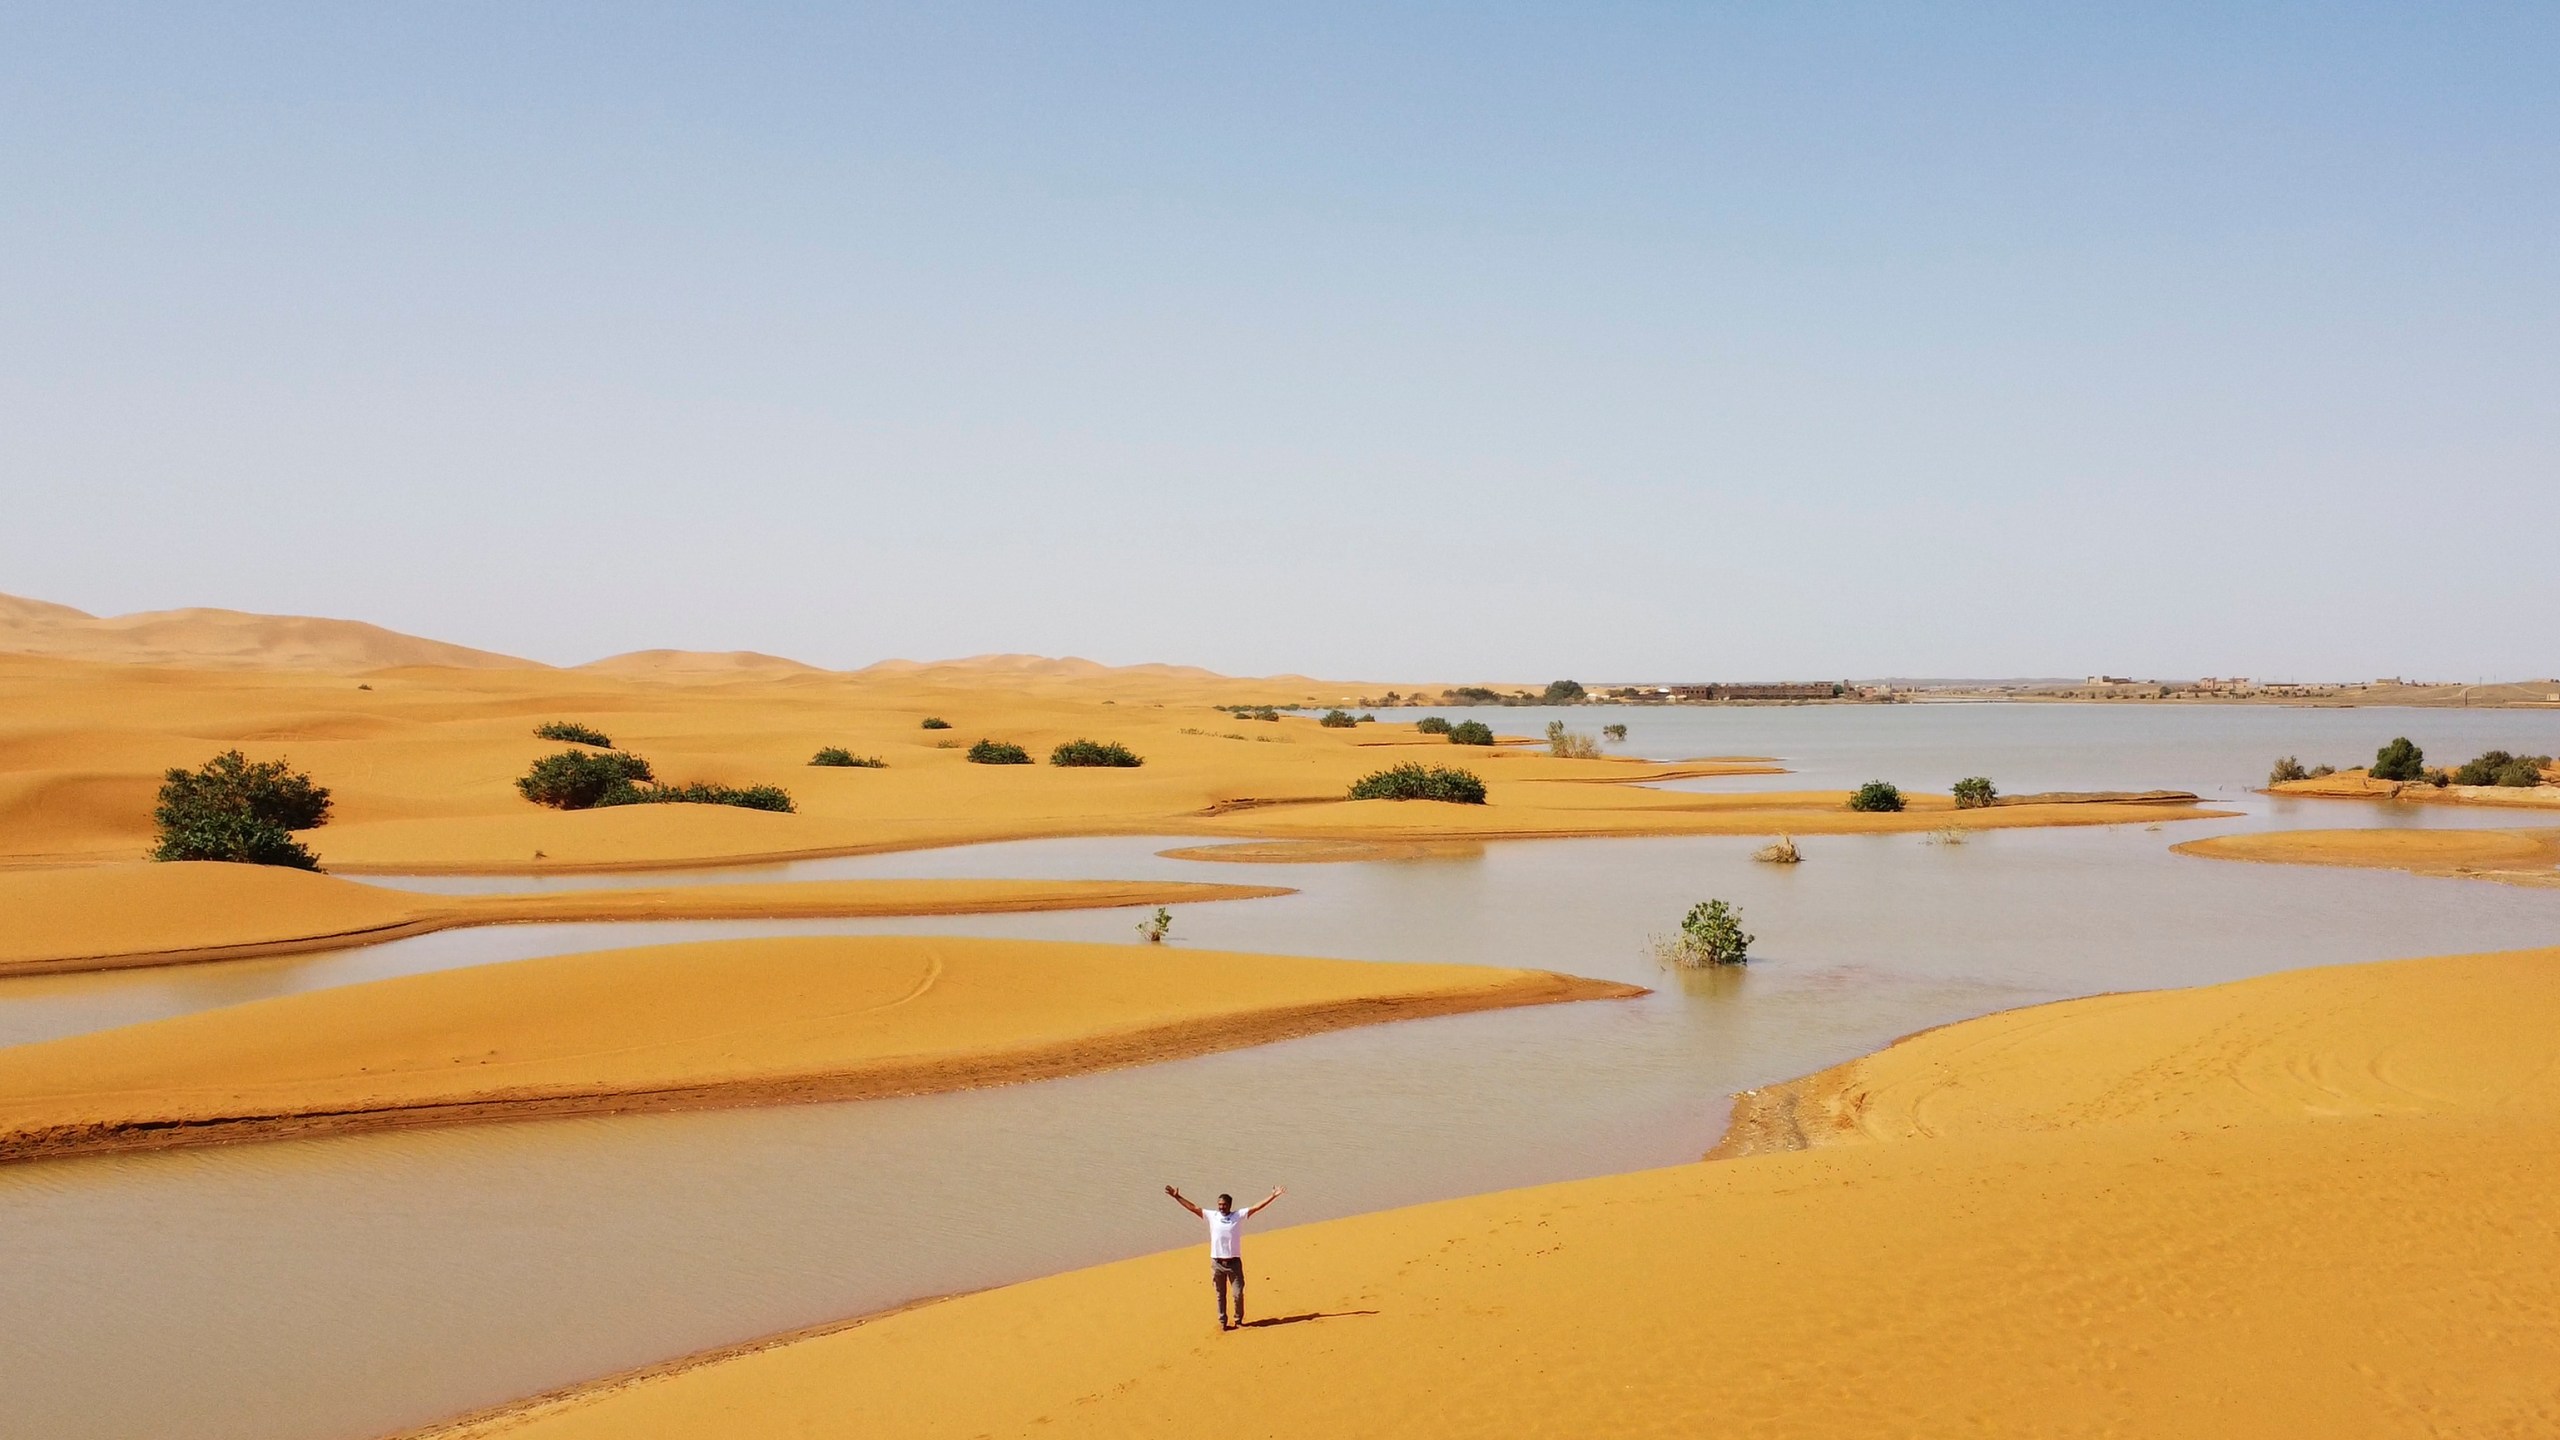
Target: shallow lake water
[(353, 1286)]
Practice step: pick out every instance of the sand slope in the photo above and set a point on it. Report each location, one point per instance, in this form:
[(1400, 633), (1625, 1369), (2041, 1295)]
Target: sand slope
[(2315, 1205), (2516, 857), (111, 916), (714, 1022)]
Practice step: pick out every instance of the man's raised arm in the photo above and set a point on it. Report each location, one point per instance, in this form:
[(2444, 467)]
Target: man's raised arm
[(1276, 1192), (1187, 1205)]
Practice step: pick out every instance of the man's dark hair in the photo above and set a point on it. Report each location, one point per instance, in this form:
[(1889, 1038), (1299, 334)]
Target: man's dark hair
[(1226, 1199)]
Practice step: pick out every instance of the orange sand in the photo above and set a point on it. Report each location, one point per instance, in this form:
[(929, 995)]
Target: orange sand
[(2357, 785), (422, 765), (2310, 1205), (710, 1023), (2517, 857), (110, 916)]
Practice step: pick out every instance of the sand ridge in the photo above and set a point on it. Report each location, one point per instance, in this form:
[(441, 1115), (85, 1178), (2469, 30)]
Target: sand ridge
[(117, 916), (2311, 1204), (2513, 857), (722, 1022)]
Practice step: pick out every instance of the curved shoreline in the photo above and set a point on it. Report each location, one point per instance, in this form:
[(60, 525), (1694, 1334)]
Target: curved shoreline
[(187, 1088), (781, 900)]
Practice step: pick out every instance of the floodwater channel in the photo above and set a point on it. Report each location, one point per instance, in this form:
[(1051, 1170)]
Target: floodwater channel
[(353, 1286)]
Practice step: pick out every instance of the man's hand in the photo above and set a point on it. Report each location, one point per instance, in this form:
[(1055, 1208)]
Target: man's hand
[(1276, 1192), (1179, 1199), (1173, 1191)]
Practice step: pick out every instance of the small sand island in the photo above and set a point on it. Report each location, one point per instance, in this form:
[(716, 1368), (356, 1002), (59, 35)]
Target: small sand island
[(685, 1026)]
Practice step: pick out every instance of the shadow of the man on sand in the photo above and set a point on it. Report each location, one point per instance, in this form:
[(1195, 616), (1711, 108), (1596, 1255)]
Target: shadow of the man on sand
[(1269, 1321)]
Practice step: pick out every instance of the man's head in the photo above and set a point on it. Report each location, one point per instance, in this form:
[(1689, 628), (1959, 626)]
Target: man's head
[(1226, 1203)]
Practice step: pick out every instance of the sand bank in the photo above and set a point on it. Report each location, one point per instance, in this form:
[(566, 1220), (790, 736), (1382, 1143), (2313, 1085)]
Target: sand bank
[(2515, 857), (713, 1023), (1324, 852), (422, 764), (113, 916), (2312, 1205), (2357, 785)]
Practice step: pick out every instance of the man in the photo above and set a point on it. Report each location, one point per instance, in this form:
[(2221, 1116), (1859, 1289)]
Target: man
[(1226, 1261)]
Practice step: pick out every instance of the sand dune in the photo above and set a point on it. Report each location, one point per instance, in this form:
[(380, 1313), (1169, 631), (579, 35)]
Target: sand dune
[(227, 638), (713, 1023), (2314, 1205), (697, 663), (115, 916), (2515, 857)]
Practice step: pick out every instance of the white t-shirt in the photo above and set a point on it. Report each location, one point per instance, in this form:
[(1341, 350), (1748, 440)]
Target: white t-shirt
[(1222, 1233)]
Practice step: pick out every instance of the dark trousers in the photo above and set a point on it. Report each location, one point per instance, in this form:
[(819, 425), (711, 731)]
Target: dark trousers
[(1223, 1273)]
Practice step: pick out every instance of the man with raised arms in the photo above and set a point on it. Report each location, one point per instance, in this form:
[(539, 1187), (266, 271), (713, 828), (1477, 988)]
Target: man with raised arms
[(1226, 1260)]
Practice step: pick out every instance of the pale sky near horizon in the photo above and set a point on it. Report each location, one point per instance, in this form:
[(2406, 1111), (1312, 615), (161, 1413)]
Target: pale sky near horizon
[(1614, 341)]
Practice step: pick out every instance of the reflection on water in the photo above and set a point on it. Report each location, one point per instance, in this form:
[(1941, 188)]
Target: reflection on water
[(340, 1288)]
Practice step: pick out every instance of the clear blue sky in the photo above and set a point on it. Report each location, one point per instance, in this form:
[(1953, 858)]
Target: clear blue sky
[(1382, 341)]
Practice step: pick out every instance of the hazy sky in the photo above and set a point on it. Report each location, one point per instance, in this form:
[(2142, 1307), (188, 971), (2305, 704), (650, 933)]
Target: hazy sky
[(1613, 341)]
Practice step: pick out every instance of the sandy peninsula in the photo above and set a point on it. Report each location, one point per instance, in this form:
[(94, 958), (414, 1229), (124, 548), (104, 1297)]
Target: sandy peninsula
[(2514, 857), (115, 916), (712, 1023), (2313, 1204), (2357, 785)]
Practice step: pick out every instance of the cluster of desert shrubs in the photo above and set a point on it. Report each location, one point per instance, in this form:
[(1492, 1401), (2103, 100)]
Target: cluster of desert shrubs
[(935, 722), (2497, 767), (1876, 796), (1338, 720), (1567, 744), (1421, 782), (1975, 792), (1109, 754), (841, 758), (1471, 732), (1432, 725), (2399, 760), (586, 780), (1252, 712), (233, 809), (572, 731), (2288, 768), (998, 752), (1614, 732)]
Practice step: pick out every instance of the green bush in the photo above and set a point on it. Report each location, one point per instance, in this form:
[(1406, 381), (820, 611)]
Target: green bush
[(2287, 769), (1614, 732), (2321, 772), (1570, 744), (231, 809), (1562, 692), (1337, 720), (936, 722), (577, 779), (998, 752), (745, 797), (1432, 725), (1471, 695), (1471, 732), (1877, 796), (2497, 767), (1711, 934), (1975, 792), (571, 730), (838, 756), (1111, 754), (1421, 782), (2399, 760)]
